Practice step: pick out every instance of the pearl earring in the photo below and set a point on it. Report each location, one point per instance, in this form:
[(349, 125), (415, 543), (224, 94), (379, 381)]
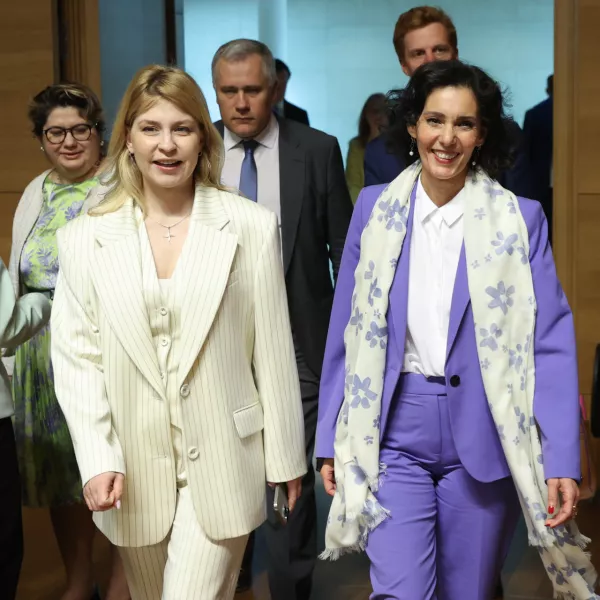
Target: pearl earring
[(411, 152)]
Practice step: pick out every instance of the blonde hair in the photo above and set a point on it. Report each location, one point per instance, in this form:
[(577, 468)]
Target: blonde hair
[(149, 85)]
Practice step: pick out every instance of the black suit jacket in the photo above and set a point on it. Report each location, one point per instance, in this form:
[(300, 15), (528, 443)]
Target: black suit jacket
[(538, 131), (295, 113), (315, 216)]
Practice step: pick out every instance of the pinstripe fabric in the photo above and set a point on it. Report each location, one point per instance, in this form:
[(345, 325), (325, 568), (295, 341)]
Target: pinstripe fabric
[(242, 414), (187, 565)]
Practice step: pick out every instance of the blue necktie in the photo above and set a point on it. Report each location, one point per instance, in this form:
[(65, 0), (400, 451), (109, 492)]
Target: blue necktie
[(248, 176)]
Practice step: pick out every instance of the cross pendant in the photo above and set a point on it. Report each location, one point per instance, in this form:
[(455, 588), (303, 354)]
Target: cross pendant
[(168, 236)]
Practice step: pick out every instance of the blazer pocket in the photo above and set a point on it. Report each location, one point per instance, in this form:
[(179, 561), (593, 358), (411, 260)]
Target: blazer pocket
[(249, 419)]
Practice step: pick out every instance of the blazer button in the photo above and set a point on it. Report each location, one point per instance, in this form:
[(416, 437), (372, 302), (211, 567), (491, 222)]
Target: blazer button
[(185, 390), (163, 311), (193, 453), (455, 381)]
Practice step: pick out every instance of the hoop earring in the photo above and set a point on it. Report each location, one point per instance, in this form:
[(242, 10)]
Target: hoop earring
[(411, 151)]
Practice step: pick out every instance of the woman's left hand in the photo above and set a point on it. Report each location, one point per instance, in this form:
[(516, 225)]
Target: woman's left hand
[(569, 492)]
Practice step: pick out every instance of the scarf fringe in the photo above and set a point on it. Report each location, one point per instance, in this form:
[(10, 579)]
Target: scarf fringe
[(548, 542), (569, 596), (370, 523)]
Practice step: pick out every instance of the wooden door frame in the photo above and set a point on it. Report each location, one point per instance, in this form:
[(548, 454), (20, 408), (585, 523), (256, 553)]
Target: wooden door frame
[(564, 143)]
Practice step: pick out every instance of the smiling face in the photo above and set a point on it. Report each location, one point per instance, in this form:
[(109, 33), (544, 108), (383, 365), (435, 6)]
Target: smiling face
[(165, 142), (447, 133), (72, 159), (424, 45)]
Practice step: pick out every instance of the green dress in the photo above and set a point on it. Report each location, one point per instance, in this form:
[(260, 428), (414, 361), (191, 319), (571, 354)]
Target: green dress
[(49, 473)]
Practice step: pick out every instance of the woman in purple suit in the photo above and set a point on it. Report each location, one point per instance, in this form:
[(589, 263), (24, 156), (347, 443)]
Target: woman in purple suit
[(448, 402)]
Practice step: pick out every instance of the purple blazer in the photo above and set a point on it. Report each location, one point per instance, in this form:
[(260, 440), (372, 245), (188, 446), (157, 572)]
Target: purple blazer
[(556, 406)]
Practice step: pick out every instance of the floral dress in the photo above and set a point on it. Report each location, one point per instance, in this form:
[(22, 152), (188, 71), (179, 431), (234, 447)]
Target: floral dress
[(49, 473)]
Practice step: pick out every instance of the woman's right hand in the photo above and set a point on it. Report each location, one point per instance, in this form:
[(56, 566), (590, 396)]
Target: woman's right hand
[(104, 491), (328, 475)]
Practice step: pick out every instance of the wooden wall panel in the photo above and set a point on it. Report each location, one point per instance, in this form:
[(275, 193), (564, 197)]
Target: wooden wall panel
[(588, 105), (27, 64), (577, 175), (587, 275), (81, 42)]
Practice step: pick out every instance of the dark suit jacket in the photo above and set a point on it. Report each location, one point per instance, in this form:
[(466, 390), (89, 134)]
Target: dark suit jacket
[(537, 133), (315, 215), (382, 166), (295, 113)]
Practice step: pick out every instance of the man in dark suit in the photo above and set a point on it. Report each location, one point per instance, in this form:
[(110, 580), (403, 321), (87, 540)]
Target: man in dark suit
[(538, 136), (282, 107), (424, 34), (297, 172)]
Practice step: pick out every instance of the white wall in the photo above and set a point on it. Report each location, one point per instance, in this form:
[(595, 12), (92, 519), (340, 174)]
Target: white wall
[(340, 51), (207, 25), (132, 35)]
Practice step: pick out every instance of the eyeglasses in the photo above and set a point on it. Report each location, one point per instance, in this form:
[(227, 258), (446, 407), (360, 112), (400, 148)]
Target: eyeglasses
[(57, 135)]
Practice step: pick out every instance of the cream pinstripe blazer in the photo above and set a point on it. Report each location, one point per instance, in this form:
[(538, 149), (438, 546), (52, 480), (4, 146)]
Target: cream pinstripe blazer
[(242, 413)]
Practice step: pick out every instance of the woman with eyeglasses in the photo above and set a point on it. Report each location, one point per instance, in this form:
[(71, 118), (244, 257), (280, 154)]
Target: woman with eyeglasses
[(68, 123)]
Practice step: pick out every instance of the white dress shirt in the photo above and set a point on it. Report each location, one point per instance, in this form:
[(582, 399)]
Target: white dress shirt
[(435, 247), (266, 156)]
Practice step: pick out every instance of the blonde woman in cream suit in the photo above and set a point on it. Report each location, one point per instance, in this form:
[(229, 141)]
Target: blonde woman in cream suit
[(173, 353)]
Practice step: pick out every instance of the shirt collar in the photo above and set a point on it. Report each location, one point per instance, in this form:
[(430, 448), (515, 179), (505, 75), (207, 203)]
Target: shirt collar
[(450, 212), (267, 137)]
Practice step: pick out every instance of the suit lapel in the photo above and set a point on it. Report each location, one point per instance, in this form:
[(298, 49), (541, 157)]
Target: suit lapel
[(460, 300), (117, 275), (202, 274), (291, 177)]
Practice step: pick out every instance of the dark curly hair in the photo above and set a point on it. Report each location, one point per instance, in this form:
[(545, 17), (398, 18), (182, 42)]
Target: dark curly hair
[(406, 106), (63, 95)]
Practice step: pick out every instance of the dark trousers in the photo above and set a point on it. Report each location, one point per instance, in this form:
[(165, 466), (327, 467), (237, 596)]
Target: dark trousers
[(292, 548), (11, 524)]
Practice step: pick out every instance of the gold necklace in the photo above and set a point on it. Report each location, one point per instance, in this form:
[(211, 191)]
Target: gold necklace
[(169, 227)]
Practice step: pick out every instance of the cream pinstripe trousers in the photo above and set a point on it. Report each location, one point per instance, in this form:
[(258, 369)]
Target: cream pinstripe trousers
[(186, 565)]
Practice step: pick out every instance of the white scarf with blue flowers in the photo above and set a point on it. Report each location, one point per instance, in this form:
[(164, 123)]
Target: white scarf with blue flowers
[(504, 308)]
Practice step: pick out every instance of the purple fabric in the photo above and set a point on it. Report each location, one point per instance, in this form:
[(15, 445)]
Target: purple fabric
[(556, 406), (448, 533)]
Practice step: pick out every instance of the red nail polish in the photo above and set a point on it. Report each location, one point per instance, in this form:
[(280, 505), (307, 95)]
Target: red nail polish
[(551, 510)]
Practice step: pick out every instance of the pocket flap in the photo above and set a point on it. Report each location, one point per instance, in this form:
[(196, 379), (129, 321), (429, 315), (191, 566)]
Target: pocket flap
[(249, 419)]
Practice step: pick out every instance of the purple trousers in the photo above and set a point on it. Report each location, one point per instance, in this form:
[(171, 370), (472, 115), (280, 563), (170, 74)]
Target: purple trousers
[(448, 533)]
